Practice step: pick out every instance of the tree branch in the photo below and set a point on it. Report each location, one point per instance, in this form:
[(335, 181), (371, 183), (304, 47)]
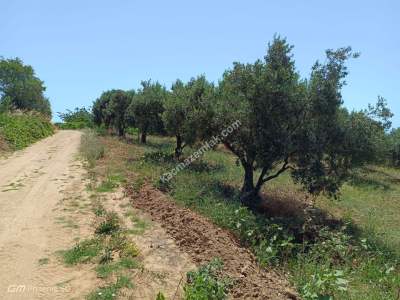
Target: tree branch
[(279, 172)]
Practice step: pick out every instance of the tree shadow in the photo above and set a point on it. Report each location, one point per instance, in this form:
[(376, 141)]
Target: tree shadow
[(362, 181), (373, 178), (389, 177), (295, 210), (201, 166), (224, 191)]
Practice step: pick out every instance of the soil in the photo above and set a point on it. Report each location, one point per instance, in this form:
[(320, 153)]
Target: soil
[(164, 264), (203, 240)]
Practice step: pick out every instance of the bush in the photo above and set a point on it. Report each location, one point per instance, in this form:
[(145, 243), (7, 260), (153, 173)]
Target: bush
[(110, 224), (19, 131)]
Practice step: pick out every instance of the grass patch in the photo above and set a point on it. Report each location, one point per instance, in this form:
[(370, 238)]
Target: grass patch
[(91, 148), (205, 283), (111, 182), (110, 292), (82, 252), (139, 226), (106, 270)]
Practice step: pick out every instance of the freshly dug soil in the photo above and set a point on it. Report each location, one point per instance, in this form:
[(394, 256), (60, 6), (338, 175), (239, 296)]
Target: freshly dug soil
[(203, 240)]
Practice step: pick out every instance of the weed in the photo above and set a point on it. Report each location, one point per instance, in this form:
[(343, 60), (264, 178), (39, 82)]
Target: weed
[(91, 148), (98, 209), (112, 181), (160, 296), (204, 283), (110, 292), (109, 225), (107, 256), (106, 270), (129, 250), (139, 225), (82, 252), (43, 261)]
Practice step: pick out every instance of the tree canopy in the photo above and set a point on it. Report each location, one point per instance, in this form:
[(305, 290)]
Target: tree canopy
[(187, 111), (20, 88), (288, 123), (110, 110), (147, 107)]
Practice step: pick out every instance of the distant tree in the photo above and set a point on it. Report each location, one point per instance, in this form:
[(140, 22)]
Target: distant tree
[(287, 124), (99, 109), (187, 111), (20, 88), (380, 113), (394, 147), (76, 119), (110, 110), (147, 107), (176, 113), (117, 110)]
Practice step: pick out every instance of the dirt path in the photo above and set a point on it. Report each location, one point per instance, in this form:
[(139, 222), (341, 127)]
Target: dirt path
[(33, 184), (45, 207)]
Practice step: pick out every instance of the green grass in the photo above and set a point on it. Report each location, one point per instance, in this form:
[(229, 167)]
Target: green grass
[(139, 226), (354, 258), (110, 292), (109, 224), (111, 182), (205, 283), (82, 252), (106, 270), (19, 131), (372, 200)]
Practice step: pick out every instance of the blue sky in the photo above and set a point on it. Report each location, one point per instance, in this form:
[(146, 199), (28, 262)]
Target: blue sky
[(81, 48)]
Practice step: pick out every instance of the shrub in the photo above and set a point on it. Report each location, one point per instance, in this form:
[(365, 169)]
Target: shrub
[(19, 131), (110, 224)]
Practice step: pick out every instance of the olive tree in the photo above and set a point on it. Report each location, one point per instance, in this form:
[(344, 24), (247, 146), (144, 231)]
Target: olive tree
[(187, 111), (175, 114), (147, 106), (117, 110), (111, 108), (287, 124), (99, 109)]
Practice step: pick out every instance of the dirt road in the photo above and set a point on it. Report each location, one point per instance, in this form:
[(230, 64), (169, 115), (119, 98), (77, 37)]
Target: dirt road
[(33, 182), (45, 207)]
